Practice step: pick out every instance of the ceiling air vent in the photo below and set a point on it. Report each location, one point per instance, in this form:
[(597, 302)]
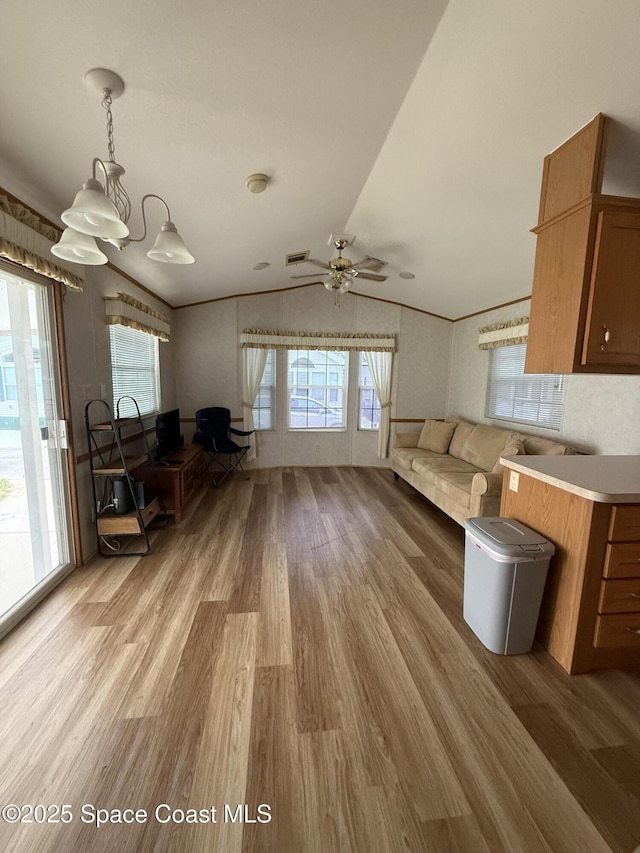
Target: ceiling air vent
[(296, 258)]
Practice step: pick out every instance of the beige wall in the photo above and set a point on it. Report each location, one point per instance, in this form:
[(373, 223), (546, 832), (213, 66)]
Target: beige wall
[(601, 413), (89, 368), (209, 366)]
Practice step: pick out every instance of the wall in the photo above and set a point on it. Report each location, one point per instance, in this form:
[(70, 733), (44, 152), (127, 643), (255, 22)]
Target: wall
[(89, 368), (209, 367), (601, 413)]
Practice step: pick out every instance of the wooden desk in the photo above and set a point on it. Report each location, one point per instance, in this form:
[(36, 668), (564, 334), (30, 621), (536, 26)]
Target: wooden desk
[(177, 480)]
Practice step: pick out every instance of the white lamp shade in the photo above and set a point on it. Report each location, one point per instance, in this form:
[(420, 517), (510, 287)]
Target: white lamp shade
[(169, 247), (94, 214), (78, 248)]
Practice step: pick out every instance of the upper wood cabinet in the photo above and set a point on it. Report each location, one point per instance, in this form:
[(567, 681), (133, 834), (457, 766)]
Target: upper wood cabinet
[(585, 304)]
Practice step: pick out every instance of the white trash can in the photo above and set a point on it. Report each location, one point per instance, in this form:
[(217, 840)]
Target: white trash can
[(505, 570)]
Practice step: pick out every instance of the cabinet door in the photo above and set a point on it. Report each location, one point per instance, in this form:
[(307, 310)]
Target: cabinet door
[(612, 335)]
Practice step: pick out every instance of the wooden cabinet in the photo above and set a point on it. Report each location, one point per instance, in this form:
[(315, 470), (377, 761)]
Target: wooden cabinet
[(618, 620), (585, 304), (179, 479), (590, 615)]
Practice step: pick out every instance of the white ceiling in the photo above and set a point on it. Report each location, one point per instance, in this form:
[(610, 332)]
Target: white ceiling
[(427, 147)]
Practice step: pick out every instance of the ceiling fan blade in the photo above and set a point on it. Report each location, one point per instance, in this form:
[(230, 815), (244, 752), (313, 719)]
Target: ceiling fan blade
[(371, 264), (310, 275), (370, 276)]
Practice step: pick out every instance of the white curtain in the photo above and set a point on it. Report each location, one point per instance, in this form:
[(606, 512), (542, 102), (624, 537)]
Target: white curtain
[(254, 362), (380, 365)]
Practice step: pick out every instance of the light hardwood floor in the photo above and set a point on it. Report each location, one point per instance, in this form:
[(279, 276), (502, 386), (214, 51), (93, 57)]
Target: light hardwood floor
[(297, 641)]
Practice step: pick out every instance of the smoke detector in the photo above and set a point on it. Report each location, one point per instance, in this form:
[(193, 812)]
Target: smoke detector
[(257, 183)]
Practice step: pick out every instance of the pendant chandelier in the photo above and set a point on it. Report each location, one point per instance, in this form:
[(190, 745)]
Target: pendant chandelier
[(104, 211)]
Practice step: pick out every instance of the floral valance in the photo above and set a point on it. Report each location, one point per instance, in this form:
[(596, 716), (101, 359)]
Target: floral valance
[(271, 339), (124, 310), (504, 334), (27, 241)]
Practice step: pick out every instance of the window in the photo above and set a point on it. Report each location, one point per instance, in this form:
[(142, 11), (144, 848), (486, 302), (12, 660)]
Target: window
[(524, 398), (317, 389), (369, 405), (134, 370), (264, 406)]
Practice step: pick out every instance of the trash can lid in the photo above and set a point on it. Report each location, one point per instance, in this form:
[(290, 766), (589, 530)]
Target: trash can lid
[(507, 536)]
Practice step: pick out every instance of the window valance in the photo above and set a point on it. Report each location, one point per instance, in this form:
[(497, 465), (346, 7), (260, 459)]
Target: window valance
[(124, 310), (271, 339), (504, 334), (27, 241)]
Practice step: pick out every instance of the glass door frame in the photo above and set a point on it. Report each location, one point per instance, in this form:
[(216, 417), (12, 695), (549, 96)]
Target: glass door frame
[(56, 333)]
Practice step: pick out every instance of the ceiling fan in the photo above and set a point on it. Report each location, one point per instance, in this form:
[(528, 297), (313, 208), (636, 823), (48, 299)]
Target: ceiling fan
[(341, 272)]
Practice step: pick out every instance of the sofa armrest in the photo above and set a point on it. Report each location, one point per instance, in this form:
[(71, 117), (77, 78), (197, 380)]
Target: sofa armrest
[(406, 439), (487, 483)]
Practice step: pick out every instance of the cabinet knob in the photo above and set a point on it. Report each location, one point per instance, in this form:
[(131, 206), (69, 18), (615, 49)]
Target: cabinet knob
[(607, 337)]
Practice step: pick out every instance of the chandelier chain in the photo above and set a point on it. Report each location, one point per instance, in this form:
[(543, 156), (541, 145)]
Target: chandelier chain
[(106, 103)]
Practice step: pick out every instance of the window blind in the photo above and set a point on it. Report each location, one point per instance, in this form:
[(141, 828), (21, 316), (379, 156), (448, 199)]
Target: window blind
[(524, 398), (134, 370)]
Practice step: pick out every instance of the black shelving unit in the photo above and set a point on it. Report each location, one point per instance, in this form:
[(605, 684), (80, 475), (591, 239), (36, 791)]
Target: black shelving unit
[(113, 481)]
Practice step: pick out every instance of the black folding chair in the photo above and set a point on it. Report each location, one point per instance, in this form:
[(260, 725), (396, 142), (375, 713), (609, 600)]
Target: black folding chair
[(213, 426)]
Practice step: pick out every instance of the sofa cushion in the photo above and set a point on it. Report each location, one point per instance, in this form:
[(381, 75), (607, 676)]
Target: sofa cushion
[(536, 446), (402, 457), (456, 486), (485, 444), (514, 447), (436, 465), (462, 432), (436, 436)]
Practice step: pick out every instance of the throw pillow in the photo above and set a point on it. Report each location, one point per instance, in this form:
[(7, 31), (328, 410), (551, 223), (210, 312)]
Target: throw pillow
[(462, 432), (435, 436), (514, 447)]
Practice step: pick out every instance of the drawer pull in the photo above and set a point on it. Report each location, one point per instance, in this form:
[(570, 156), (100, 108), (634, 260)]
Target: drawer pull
[(633, 630), (634, 595)]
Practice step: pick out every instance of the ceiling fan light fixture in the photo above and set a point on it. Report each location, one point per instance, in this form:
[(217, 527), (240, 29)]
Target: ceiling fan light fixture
[(169, 247), (78, 248)]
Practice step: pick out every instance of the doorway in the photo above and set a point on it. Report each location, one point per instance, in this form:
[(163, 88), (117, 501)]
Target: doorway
[(35, 541)]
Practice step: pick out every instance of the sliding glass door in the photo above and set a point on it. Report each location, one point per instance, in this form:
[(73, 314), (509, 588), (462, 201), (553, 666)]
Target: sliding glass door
[(34, 494)]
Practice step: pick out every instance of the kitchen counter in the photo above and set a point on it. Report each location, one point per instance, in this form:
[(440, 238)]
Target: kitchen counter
[(604, 479)]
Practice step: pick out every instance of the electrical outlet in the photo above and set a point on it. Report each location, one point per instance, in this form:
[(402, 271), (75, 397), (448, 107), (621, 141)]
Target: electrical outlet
[(316, 447), (87, 392), (514, 479), (103, 391)]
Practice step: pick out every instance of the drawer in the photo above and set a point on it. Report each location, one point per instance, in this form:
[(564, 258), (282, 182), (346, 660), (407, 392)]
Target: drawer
[(622, 560), (617, 629), (624, 525), (620, 596)]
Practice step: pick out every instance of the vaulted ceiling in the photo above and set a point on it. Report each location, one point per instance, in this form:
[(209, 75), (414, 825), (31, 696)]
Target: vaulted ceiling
[(417, 125)]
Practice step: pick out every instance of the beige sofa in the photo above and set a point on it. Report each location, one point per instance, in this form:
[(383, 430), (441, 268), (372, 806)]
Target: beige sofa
[(455, 464)]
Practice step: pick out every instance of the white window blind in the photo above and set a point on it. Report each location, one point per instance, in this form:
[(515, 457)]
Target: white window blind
[(523, 398), (134, 370), (264, 406)]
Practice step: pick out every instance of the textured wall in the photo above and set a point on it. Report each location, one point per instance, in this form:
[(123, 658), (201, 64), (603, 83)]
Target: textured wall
[(601, 412), (89, 364), (209, 366)]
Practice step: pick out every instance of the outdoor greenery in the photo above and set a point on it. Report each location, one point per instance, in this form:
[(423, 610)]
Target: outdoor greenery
[(5, 488)]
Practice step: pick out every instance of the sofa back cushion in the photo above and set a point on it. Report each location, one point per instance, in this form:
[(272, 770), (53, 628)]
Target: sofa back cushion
[(485, 444), (536, 446), (436, 436), (514, 447), (462, 432)]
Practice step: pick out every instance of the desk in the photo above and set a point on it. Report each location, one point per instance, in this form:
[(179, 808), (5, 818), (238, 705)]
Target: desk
[(589, 507), (177, 480)]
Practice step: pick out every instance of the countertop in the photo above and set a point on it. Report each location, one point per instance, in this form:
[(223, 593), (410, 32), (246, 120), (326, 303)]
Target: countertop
[(604, 479)]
